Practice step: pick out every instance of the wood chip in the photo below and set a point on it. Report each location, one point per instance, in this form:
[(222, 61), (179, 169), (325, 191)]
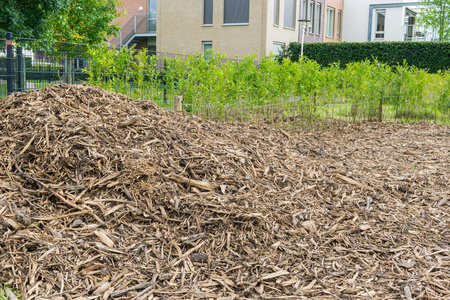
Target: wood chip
[(106, 197)]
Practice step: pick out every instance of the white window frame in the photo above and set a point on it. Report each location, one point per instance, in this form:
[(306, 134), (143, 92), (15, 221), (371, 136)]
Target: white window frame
[(376, 31), (331, 11)]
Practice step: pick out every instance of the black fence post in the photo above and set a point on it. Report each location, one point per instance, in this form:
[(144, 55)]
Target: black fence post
[(9, 63), (20, 69)]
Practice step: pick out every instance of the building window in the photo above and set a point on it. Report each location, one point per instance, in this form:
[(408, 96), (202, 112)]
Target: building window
[(277, 48), (311, 16), (304, 10), (207, 49), (318, 18), (236, 11), (151, 45), (410, 26), (339, 25), (381, 19), (276, 12), (152, 15), (207, 12), (289, 13), (330, 23)]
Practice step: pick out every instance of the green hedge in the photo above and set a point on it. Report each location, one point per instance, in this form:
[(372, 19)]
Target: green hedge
[(3, 61), (53, 73), (48, 73), (432, 56)]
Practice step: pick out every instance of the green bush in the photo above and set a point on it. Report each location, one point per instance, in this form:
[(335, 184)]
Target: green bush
[(51, 73), (431, 56), (3, 61), (248, 89)]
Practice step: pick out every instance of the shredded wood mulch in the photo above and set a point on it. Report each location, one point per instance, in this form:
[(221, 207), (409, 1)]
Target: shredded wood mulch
[(104, 197)]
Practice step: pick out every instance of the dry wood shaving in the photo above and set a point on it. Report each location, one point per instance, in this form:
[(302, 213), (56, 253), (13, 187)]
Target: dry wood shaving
[(104, 197)]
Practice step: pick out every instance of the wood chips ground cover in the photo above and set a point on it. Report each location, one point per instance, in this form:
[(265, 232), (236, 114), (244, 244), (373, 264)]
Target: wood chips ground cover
[(104, 197)]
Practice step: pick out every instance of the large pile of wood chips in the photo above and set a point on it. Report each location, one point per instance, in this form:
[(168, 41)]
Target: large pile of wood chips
[(104, 197)]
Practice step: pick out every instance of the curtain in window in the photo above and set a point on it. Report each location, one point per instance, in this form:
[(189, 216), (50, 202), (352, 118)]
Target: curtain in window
[(289, 13), (207, 12), (236, 11)]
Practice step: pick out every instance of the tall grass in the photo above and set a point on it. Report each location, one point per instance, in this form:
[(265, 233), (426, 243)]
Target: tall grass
[(266, 90)]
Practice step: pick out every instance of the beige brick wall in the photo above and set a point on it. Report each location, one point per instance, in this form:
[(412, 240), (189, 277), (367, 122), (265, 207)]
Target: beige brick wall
[(181, 29)]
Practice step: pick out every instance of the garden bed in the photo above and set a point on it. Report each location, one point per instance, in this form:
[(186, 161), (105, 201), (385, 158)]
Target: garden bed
[(104, 197)]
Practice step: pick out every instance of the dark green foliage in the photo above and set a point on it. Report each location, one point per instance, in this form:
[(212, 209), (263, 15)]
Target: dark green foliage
[(3, 60), (26, 18), (432, 56), (53, 74)]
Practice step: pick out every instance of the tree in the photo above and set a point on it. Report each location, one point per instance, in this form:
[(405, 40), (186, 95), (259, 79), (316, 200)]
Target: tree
[(26, 18), (436, 14), (85, 21)]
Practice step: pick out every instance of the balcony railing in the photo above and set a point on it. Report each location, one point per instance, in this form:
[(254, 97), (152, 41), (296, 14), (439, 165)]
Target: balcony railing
[(137, 24)]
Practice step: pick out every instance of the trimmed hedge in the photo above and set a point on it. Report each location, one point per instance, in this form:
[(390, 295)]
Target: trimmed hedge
[(432, 56)]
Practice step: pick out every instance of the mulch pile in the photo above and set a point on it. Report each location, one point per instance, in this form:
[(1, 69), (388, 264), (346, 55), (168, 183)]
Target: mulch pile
[(104, 197)]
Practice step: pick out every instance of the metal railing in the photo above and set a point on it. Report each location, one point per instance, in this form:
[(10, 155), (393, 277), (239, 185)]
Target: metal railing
[(414, 33), (137, 24), (32, 64)]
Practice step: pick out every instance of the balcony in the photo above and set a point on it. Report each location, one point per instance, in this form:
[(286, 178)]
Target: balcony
[(137, 28), (414, 33)]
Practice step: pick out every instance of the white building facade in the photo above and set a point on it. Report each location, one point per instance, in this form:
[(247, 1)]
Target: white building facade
[(383, 20)]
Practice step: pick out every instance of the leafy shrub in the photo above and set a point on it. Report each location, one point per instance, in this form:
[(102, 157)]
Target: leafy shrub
[(432, 56)]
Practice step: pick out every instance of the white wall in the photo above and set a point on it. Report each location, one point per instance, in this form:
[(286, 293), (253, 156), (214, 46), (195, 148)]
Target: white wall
[(355, 22)]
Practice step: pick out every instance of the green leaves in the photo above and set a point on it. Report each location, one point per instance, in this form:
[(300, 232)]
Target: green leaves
[(435, 14), (432, 56), (85, 21), (27, 18), (224, 89)]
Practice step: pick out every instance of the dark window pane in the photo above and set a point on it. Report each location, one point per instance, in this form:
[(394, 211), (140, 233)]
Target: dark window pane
[(236, 11), (380, 22), (207, 11)]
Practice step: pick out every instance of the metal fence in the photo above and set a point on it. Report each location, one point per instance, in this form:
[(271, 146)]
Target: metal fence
[(27, 64), (32, 64)]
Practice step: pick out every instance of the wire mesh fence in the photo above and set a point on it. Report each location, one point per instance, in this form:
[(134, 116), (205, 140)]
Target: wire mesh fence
[(3, 68), (38, 63)]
